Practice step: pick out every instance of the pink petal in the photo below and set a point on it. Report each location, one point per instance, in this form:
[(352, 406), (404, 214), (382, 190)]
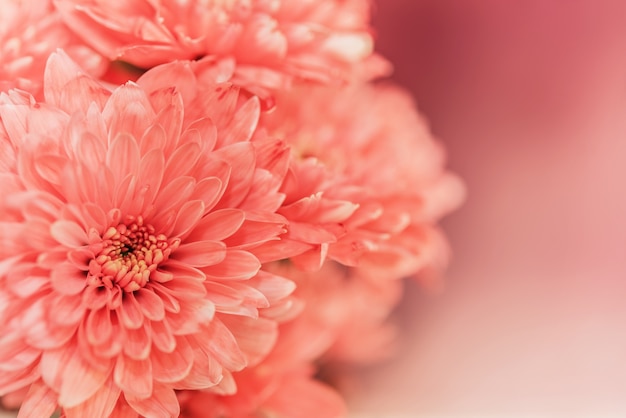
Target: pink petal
[(209, 190), (201, 253), (306, 398), (241, 158), (150, 175), (69, 234), (257, 230), (96, 297), (134, 377), (169, 301), (272, 286), (40, 401), (98, 326), (50, 167), (238, 265), (205, 131), (162, 337), (123, 156), (244, 123), (221, 343), (80, 381), (66, 310), (38, 330), (137, 342), (187, 218), (181, 270), (172, 367), (218, 225), (174, 194), (15, 354), (255, 337), (128, 110), (129, 312), (163, 403), (16, 380), (182, 161), (151, 305), (101, 404)]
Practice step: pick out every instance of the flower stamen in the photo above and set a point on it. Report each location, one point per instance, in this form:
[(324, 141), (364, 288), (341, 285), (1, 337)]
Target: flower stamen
[(130, 252)]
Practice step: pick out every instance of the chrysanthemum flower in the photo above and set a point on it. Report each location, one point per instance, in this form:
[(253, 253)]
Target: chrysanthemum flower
[(130, 229), (367, 182), (343, 322), (269, 42), (30, 30), (337, 307)]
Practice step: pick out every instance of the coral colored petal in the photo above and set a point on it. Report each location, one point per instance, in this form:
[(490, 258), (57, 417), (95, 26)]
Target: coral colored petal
[(201, 253), (241, 158), (137, 342), (218, 225), (244, 123), (68, 234), (163, 403), (96, 297), (162, 336), (134, 377), (40, 401), (123, 155), (182, 161), (187, 218), (151, 305), (272, 286), (255, 337), (80, 381), (306, 398), (223, 346), (101, 404), (129, 312), (172, 367), (98, 326), (209, 190), (254, 232), (66, 310), (67, 279), (238, 265)]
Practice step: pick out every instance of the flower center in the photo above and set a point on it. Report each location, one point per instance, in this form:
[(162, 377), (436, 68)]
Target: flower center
[(129, 253)]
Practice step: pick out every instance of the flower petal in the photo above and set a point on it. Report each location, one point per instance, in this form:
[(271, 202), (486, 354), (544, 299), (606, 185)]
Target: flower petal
[(134, 377)]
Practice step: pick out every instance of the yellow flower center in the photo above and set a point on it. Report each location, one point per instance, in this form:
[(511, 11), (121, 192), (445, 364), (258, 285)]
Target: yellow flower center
[(130, 252)]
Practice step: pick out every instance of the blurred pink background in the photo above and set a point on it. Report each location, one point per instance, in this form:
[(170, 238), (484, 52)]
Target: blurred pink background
[(530, 98)]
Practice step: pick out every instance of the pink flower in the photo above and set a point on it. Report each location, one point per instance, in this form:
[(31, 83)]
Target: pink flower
[(269, 41), (344, 321), (131, 226), (30, 30), (367, 183)]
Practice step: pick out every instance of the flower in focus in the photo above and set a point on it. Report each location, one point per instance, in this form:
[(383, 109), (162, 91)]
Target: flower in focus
[(367, 183), (128, 258), (269, 42), (29, 31)]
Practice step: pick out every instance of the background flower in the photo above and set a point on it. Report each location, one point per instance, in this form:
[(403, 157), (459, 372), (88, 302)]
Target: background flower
[(528, 97), (29, 31), (270, 42)]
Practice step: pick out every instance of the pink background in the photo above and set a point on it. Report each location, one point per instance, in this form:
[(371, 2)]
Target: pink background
[(530, 98)]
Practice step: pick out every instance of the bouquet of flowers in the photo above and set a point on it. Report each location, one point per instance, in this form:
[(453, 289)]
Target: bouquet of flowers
[(207, 205)]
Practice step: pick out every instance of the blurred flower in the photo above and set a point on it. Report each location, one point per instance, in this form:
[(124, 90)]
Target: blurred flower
[(29, 31), (128, 262), (367, 183), (269, 41)]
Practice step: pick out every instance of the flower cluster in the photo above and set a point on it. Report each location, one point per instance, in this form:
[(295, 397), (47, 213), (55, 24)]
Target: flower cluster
[(206, 205)]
